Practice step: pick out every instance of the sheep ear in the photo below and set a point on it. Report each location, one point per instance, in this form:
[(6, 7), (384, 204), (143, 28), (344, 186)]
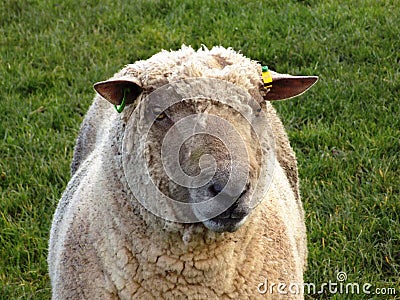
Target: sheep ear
[(113, 90), (286, 86)]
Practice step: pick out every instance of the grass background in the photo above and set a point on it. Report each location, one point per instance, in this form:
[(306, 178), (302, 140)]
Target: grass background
[(345, 131)]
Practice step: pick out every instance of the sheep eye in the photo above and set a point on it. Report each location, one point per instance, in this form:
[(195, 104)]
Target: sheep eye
[(161, 116)]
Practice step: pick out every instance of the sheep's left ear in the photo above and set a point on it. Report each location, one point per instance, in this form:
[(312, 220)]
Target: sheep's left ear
[(114, 90), (286, 86)]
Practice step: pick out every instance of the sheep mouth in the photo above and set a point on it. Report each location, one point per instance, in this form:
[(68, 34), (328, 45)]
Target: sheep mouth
[(231, 219), (220, 224), (237, 209)]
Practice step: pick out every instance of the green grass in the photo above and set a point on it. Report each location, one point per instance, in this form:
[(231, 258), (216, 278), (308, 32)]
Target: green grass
[(346, 131)]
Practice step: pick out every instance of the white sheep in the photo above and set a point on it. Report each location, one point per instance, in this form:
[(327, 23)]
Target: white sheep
[(106, 244)]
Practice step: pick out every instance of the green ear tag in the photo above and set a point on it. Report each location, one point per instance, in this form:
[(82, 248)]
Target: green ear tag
[(121, 107)]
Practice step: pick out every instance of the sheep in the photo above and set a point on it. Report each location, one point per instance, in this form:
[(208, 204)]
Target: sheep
[(111, 238)]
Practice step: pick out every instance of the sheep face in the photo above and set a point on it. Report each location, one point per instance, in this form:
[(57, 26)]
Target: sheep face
[(204, 153), (215, 149)]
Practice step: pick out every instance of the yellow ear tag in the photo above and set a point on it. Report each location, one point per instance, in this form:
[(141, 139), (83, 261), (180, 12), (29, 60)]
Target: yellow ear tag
[(266, 77)]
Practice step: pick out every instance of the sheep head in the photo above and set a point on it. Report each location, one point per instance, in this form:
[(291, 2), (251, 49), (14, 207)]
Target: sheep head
[(197, 148)]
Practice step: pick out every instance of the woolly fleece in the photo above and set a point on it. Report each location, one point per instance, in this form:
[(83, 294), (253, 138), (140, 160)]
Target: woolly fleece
[(105, 245)]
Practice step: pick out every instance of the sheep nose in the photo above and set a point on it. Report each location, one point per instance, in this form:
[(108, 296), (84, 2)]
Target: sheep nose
[(238, 209), (217, 187)]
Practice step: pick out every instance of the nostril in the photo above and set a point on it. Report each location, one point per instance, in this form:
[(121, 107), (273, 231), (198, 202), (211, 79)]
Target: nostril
[(215, 188), (244, 191), (239, 209)]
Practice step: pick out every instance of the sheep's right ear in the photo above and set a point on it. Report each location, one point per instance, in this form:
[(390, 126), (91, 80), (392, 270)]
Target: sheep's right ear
[(114, 90)]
